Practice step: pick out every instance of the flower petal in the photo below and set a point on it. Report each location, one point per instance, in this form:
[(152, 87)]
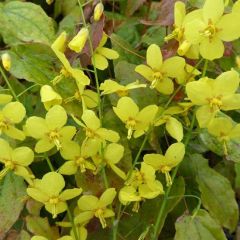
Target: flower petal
[(56, 117), (211, 49), (43, 145), (165, 86), (175, 154), (113, 153), (107, 197), (14, 111), (199, 92), (88, 203), (226, 83), (145, 71), (213, 10), (52, 184), (70, 193), (91, 120), (228, 31), (23, 156), (126, 108), (99, 61), (108, 53), (68, 168), (5, 150), (204, 115), (36, 127), (231, 102), (154, 57)]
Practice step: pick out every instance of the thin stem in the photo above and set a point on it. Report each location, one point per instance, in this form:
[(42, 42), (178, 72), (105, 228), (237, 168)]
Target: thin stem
[(205, 68), (157, 225), (27, 89), (126, 49), (75, 232), (95, 70), (9, 85), (49, 163), (105, 180)]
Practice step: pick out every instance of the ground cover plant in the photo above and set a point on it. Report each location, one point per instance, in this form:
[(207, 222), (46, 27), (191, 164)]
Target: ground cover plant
[(119, 120)]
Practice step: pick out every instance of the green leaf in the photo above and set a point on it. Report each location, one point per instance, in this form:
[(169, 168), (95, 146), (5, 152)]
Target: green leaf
[(12, 192), (33, 62), (25, 22), (40, 226), (216, 193), (23, 236), (125, 50), (154, 35), (199, 227)]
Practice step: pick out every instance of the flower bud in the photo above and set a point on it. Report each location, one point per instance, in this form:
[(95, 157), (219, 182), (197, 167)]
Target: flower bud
[(184, 47), (49, 97), (6, 61), (98, 11), (78, 42)]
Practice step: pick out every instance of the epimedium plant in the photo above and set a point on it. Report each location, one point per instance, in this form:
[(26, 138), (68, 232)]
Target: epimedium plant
[(101, 138)]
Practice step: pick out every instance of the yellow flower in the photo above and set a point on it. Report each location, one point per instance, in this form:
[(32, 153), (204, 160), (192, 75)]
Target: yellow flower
[(91, 206), (98, 11), (111, 155), (6, 61), (12, 113), (164, 163), (59, 47), (173, 126), (50, 131), (214, 95), (16, 160), (49, 97), (78, 158), (159, 72), (141, 184), (95, 134), (78, 42), (109, 86), (211, 28), (101, 54), (87, 97), (136, 121), (49, 191), (180, 20), (224, 130)]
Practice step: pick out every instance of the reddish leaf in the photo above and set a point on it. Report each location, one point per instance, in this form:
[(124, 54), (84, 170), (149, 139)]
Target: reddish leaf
[(166, 12)]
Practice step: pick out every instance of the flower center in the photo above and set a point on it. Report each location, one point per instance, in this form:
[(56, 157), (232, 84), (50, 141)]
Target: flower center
[(54, 136), (130, 124), (54, 201), (99, 214), (90, 133), (122, 93), (4, 125), (80, 161), (157, 76), (215, 103), (210, 31)]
